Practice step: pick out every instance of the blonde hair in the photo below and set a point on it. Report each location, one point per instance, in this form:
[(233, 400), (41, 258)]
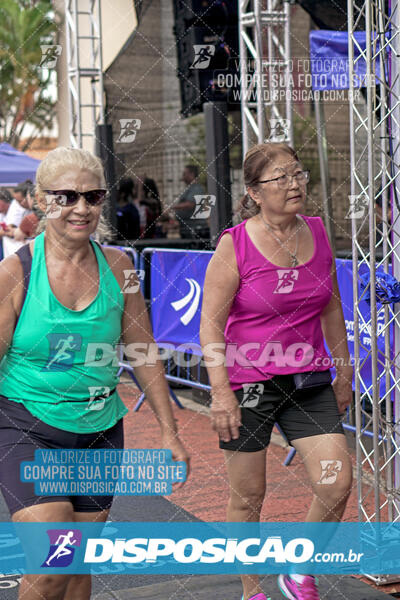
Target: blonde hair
[(256, 160), (57, 162)]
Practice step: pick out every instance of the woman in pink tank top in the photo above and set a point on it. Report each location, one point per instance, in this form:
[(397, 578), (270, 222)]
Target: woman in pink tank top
[(271, 301)]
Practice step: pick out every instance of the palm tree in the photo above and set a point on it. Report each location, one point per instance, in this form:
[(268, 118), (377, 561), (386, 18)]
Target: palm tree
[(24, 84)]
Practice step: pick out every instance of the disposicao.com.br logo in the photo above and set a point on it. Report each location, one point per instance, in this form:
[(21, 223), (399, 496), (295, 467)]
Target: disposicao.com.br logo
[(192, 550), (208, 548)]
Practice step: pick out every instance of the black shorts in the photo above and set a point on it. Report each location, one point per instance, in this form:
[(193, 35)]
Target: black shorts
[(21, 434), (299, 413)]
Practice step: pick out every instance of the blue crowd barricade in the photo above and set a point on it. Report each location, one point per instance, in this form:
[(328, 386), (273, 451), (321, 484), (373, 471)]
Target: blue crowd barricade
[(175, 319), (175, 292), (345, 281), (173, 281)]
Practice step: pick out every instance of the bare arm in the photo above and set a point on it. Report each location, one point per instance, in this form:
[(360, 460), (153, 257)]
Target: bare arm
[(136, 329), (334, 330), (11, 289), (220, 286)]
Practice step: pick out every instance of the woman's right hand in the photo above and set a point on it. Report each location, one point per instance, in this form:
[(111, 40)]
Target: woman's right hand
[(225, 415)]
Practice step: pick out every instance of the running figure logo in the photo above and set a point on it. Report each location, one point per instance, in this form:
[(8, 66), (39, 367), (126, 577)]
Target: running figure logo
[(358, 204), (203, 54), (132, 280), (279, 130), (204, 205), (62, 350), (97, 397), (129, 129), (330, 470), (62, 547), (50, 56), (252, 393), (286, 281), (53, 208)]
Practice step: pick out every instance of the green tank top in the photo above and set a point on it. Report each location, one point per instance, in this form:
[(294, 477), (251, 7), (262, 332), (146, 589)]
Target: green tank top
[(60, 359)]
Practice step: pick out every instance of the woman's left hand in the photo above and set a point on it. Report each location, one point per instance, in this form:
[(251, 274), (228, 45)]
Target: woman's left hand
[(342, 386), (172, 442)]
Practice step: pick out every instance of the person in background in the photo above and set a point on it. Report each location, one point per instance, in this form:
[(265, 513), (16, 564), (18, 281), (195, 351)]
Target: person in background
[(142, 210), (149, 197), (133, 192), (189, 226), (128, 217), (17, 211), (5, 201), (28, 225)]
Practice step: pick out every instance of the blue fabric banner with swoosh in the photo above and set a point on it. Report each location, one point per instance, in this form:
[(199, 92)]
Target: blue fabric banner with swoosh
[(177, 280), (345, 282), (330, 60)]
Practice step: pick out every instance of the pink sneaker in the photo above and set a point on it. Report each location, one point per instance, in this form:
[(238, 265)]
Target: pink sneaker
[(259, 597), (307, 590)]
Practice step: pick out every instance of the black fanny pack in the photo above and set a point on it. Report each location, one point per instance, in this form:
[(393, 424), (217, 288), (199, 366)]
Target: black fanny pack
[(311, 379), (96, 398)]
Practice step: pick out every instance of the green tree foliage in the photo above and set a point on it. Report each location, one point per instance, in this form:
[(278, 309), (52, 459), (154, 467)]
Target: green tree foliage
[(24, 85), (306, 145)]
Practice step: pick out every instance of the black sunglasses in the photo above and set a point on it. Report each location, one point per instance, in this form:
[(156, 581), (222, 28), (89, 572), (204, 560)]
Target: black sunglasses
[(71, 197)]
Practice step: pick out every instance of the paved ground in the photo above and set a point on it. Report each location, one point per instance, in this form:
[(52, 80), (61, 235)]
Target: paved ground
[(204, 497)]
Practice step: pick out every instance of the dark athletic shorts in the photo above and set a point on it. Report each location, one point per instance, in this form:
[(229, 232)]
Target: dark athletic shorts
[(299, 413), (21, 434)]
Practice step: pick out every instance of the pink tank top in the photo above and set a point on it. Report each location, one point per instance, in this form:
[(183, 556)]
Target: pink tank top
[(274, 324)]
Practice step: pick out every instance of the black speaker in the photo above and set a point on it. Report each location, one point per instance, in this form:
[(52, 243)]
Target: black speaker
[(333, 15), (207, 42), (105, 151)]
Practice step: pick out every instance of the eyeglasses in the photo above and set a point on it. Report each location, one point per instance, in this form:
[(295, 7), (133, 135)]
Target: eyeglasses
[(284, 181), (71, 197)]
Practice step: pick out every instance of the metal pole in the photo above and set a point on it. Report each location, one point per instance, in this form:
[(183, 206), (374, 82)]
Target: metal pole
[(324, 169), (350, 17), (395, 136), (259, 69), (218, 172), (385, 167), (288, 54), (371, 194), (243, 67), (258, 98), (77, 117)]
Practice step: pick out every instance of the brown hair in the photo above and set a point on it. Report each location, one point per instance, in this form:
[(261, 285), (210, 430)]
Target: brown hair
[(256, 160), (194, 169)]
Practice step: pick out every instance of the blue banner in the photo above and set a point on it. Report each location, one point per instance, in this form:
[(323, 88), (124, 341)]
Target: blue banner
[(177, 280), (329, 55), (345, 282), (200, 548)]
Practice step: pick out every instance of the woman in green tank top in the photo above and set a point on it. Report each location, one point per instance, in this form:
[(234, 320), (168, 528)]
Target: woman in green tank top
[(57, 347)]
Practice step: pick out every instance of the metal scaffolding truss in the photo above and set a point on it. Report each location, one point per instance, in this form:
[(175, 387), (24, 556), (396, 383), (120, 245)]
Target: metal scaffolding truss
[(85, 71), (375, 159), (266, 103)]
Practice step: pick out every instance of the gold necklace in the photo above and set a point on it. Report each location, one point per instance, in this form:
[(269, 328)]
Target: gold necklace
[(293, 255)]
